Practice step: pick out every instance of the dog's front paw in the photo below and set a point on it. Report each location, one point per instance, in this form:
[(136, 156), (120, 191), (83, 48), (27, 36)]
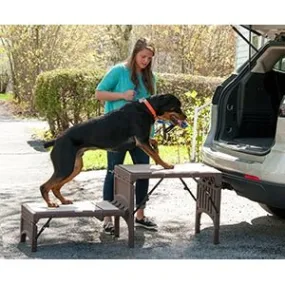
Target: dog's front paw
[(168, 166)]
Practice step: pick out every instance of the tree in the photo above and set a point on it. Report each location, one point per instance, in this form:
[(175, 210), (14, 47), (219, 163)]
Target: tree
[(196, 49), (32, 49)]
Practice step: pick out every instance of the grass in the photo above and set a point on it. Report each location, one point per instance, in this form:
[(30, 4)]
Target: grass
[(6, 97), (97, 159)]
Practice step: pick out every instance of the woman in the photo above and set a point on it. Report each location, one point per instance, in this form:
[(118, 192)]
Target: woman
[(128, 81)]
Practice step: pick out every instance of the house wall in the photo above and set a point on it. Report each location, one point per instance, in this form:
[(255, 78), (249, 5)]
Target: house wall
[(242, 47)]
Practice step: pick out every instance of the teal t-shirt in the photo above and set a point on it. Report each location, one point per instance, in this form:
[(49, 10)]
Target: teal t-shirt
[(118, 79)]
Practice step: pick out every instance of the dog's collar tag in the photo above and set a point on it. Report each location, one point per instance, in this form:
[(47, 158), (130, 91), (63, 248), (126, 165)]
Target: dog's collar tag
[(149, 107)]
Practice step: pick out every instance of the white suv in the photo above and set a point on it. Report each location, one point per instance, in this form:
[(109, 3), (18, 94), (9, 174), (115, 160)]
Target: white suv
[(246, 140)]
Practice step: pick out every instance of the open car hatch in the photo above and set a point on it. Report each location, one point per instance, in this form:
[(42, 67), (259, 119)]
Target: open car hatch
[(268, 31)]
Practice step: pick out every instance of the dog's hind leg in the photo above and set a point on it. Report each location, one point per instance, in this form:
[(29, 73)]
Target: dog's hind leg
[(77, 169), (45, 188), (63, 159)]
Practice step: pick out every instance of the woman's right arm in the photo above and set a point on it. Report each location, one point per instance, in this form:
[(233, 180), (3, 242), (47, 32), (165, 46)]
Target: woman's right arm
[(104, 90), (108, 96), (114, 96)]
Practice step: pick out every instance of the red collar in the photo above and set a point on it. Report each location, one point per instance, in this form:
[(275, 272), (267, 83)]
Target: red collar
[(149, 107)]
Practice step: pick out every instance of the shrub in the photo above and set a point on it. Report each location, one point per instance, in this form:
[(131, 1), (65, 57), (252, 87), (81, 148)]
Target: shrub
[(66, 97)]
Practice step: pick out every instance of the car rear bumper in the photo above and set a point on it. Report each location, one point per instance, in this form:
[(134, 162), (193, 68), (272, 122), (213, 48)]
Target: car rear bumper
[(234, 171), (269, 193)]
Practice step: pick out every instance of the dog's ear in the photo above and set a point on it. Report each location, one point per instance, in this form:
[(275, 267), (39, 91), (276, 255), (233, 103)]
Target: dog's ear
[(164, 102)]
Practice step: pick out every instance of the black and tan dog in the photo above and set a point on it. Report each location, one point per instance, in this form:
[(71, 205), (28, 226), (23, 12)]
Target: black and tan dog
[(121, 129)]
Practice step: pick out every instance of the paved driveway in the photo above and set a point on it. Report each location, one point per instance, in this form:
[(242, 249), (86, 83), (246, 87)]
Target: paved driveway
[(246, 229)]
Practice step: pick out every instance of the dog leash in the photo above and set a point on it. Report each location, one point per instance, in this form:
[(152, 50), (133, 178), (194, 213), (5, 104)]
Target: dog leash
[(148, 105), (143, 100)]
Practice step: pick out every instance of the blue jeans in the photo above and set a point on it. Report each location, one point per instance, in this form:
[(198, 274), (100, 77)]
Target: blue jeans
[(113, 158)]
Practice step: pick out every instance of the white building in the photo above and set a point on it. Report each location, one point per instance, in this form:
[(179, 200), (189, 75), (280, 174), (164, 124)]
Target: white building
[(242, 47)]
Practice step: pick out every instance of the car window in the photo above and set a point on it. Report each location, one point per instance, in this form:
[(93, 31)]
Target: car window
[(280, 65), (255, 40)]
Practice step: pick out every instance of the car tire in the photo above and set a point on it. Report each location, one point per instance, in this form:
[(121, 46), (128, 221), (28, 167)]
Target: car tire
[(278, 212)]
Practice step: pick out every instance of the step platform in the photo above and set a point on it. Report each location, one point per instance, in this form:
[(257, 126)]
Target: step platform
[(31, 213)]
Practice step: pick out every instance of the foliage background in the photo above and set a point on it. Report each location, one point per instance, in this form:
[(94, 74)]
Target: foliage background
[(28, 50)]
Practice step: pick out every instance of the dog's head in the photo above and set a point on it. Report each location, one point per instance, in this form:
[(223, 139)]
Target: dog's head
[(168, 107)]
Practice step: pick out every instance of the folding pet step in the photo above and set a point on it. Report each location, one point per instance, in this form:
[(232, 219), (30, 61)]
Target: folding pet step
[(208, 199), (208, 194), (31, 213)]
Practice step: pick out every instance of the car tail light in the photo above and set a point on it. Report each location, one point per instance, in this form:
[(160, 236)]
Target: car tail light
[(281, 112), (251, 177)]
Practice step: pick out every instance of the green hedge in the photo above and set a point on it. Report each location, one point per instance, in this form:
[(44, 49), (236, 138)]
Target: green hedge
[(179, 84), (66, 97)]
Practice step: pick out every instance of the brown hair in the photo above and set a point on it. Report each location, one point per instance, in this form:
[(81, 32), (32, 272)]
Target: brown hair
[(147, 75)]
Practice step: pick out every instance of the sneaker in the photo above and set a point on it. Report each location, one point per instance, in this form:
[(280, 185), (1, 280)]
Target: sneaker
[(109, 228), (145, 223)]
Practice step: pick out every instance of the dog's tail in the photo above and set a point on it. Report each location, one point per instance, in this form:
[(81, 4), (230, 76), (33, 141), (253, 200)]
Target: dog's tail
[(49, 143)]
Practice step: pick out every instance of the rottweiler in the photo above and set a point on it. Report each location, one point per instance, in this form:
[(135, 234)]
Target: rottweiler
[(121, 129)]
